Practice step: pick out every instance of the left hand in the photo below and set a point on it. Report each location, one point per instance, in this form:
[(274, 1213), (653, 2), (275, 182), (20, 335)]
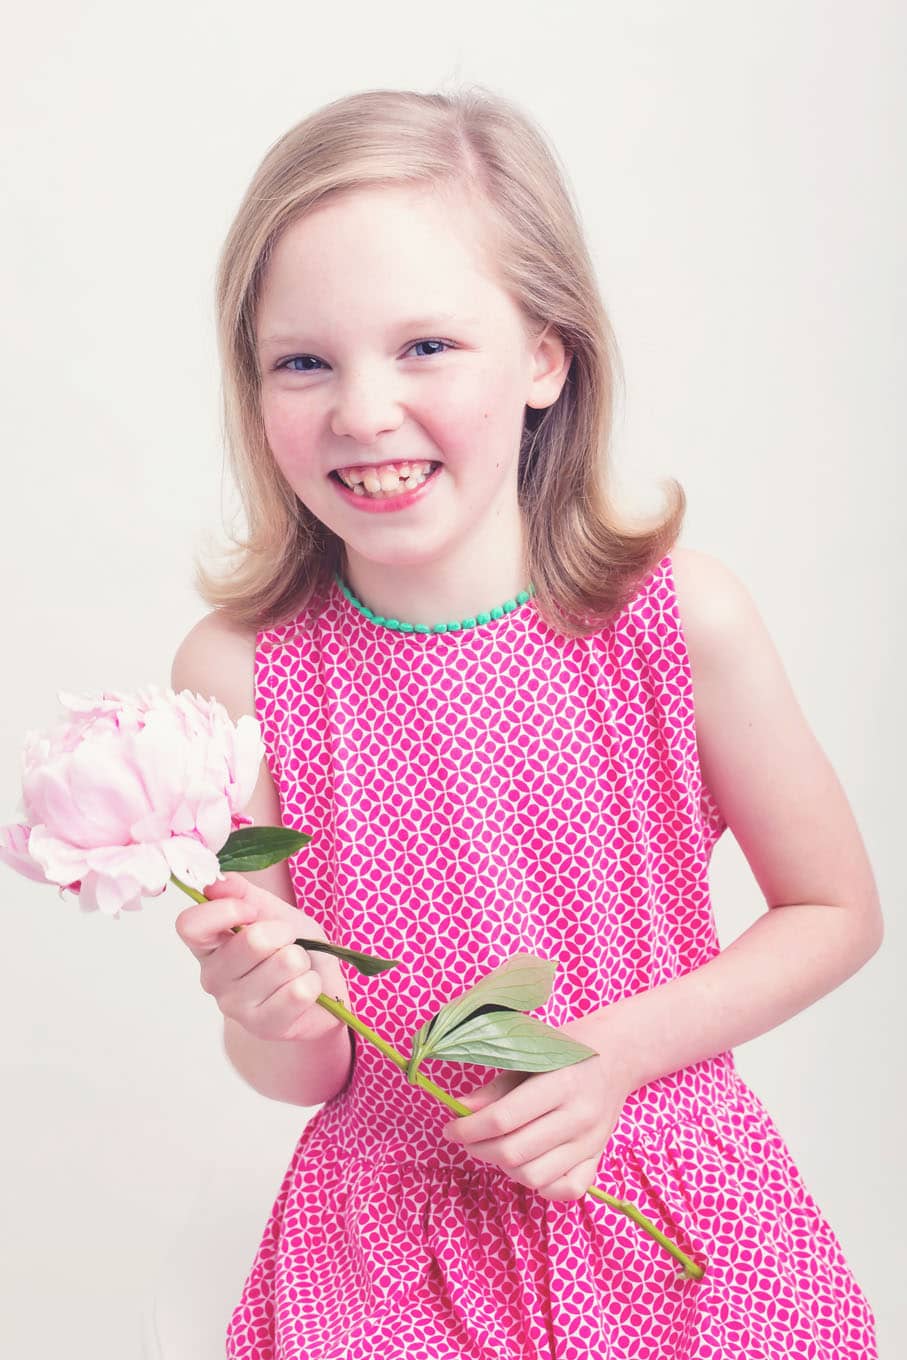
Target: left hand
[(547, 1130)]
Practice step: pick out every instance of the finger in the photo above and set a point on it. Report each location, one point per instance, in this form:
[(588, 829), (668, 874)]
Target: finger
[(481, 1096), (206, 925), (261, 903), (548, 1172), (304, 986), (517, 1106), (241, 984), (241, 956), (571, 1184), (533, 1141), (228, 885), (203, 929), (285, 1009), (272, 943), (565, 1171)]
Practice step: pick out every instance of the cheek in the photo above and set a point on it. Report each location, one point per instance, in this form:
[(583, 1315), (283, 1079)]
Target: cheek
[(485, 410), (286, 429)]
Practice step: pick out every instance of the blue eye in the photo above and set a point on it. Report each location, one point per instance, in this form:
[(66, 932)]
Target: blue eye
[(285, 364), (431, 342), (298, 358)]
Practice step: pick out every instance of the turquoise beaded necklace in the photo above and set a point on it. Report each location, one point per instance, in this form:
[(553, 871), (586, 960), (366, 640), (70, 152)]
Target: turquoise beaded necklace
[(496, 613)]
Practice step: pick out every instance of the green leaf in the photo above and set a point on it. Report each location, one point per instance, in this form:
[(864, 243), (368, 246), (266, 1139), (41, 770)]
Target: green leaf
[(258, 847), (503, 1038), (366, 963), (521, 983)]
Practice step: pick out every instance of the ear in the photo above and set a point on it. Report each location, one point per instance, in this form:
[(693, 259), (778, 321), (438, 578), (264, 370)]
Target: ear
[(550, 365)]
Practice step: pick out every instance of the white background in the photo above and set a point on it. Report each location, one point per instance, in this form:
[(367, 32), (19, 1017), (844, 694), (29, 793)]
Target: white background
[(740, 174)]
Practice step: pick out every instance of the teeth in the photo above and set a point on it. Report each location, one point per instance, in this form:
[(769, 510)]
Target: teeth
[(387, 480)]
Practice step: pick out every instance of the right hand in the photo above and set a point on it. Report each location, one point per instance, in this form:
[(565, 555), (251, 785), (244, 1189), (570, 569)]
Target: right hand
[(257, 975)]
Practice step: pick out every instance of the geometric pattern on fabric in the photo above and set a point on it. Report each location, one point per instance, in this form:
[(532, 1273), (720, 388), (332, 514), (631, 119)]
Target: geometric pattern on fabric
[(473, 795)]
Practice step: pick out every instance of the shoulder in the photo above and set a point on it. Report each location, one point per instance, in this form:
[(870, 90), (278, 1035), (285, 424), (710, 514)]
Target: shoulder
[(713, 603), (735, 666), (775, 785), (736, 669), (730, 649), (725, 633), (216, 659), (738, 677)]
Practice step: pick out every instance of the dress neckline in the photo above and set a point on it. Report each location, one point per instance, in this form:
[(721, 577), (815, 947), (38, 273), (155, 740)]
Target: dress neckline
[(471, 624)]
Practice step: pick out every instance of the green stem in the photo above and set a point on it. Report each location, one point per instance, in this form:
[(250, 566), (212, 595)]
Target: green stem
[(191, 892), (340, 1011)]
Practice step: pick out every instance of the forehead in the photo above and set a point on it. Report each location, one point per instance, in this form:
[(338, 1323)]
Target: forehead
[(400, 247)]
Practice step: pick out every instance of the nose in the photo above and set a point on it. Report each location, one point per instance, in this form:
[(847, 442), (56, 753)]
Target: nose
[(365, 408)]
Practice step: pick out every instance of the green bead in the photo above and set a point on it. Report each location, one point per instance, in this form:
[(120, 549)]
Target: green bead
[(398, 627)]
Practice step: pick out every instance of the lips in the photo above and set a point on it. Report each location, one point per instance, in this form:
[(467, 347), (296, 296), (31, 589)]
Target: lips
[(366, 492)]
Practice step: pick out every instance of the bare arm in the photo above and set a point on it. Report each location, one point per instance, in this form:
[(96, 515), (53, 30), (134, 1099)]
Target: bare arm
[(216, 661), (298, 1072), (786, 960), (785, 807)]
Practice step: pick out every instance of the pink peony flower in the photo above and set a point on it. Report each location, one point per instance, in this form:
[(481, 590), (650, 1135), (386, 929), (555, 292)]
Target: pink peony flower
[(128, 789)]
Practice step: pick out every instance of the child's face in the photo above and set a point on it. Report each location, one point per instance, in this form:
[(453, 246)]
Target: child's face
[(350, 297)]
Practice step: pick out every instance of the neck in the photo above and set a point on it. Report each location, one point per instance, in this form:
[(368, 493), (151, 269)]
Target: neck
[(427, 595)]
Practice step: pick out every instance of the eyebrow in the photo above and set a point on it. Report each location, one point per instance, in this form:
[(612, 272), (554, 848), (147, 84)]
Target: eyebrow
[(416, 323)]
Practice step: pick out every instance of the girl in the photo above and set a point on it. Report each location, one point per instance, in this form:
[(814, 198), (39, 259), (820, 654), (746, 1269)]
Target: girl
[(476, 689)]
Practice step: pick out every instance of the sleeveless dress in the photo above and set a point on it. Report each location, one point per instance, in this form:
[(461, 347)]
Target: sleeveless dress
[(472, 795)]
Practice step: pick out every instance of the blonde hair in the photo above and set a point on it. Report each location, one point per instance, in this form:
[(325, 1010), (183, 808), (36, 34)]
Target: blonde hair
[(584, 563)]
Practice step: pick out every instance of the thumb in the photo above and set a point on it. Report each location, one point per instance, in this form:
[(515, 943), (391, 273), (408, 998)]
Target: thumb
[(258, 904), (493, 1090), (229, 885)]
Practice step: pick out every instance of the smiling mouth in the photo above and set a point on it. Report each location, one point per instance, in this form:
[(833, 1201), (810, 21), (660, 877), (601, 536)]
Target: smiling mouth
[(387, 479)]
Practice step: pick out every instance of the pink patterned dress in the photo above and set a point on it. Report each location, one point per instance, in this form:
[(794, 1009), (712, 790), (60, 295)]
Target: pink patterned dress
[(471, 795)]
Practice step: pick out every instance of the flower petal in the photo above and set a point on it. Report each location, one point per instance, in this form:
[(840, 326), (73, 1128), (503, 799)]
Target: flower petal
[(110, 893), (87, 893), (213, 821), (144, 866), (249, 755), (90, 797), (62, 863), (14, 851), (192, 862), (161, 752)]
